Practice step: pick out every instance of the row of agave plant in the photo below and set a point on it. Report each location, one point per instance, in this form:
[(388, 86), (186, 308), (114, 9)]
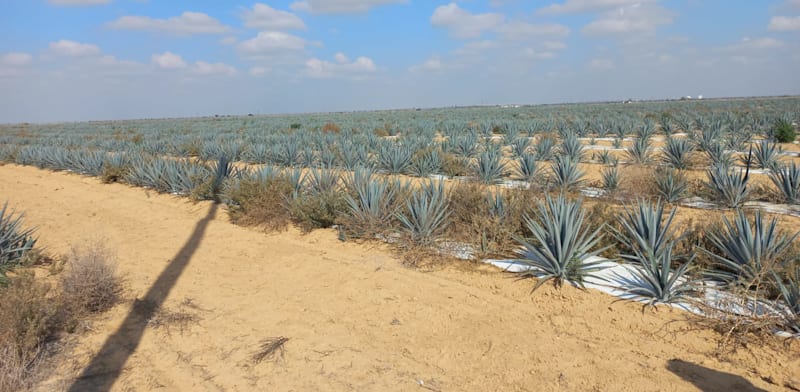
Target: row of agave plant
[(559, 243), (745, 253), (558, 246), (307, 140), (728, 117), (544, 161)]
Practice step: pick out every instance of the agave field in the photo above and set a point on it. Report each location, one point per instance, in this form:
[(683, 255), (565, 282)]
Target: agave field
[(564, 193)]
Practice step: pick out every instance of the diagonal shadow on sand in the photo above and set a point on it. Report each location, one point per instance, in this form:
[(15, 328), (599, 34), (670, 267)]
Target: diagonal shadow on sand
[(106, 366), (710, 380)]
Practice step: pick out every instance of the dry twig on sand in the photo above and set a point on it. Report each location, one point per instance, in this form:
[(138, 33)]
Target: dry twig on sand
[(269, 347)]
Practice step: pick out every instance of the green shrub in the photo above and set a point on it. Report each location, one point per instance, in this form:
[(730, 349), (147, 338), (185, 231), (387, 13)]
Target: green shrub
[(784, 132)]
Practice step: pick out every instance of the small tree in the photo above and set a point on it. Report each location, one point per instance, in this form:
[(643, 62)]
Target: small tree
[(784, 132)]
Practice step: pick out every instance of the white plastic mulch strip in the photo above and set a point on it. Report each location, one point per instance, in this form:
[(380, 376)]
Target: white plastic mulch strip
[(614, 277)]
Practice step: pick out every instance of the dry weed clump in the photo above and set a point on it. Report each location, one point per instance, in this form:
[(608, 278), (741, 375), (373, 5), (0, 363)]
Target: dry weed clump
[(638, 181), (181, 318), (90, 282), (317, 210), (741, 316), (34, 312), (488, 218), (260, 203)]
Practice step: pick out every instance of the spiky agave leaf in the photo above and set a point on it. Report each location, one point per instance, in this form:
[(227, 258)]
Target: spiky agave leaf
[(520, 145), (729, 186), (790, 295), (567, 174), (677, 152), (718, 156), (466, 146), (497, 204), (650, 240), (787, 180), (297, 179), (489, 167), (543, 150), (640, 152), (571, 146), (373, 202), (427, 213), (527, 167), (656, 279), (321, 180), (222, 169), (765, 155), (560, 245), (747, 251), (644, 228), (15, 241), (426, 162), (610, 177), (671, 185), (395, 158)]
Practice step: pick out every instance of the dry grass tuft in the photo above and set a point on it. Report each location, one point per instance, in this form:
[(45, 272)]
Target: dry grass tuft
[(31, 314), (90, 281), (165, 318), (257, 203), (473, 222), (270, 349), (637, 181)]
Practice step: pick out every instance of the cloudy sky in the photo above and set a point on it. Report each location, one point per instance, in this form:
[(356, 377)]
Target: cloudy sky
[(112, 59)]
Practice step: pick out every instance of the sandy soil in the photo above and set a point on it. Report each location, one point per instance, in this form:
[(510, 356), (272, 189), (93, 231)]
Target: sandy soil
[(355, 318)]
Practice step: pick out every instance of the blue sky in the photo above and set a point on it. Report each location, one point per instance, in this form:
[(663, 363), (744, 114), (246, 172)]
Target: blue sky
[(112, 59)]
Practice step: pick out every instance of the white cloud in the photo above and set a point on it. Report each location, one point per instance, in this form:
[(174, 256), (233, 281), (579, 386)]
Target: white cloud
[(204, 68), (321, 69), (600, 64), (186, 24), (538, 54), (168, 60), (230, 40), (784, 23), (475, 48), (258, 71), (748, 44), (270, 42), (15, 59), (78, 2), (432, 64), (554, 45), (525, 31), (73, 49), (791, 4), (264, 17), (14, 64), (580, 6), (461, 23), (637, 18), (340, 6), (341, 58)]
